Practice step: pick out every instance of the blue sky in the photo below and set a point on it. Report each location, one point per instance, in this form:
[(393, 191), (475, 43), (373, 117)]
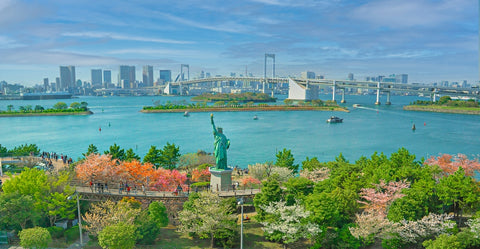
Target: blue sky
[(431, 40)]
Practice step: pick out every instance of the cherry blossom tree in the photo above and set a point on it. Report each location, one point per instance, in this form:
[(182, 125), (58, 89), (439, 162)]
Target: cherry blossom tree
[(449, 164)]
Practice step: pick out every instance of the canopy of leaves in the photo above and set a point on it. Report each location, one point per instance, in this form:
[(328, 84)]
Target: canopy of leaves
[(119, 236), (37, 237)]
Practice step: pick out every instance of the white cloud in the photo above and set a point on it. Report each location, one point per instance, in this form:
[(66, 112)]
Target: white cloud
[(228, 26), (124, 37)]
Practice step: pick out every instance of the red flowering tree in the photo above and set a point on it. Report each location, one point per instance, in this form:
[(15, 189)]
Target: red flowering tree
[(137, 172), (201, 175), (449, 164), (96, 168), (250, 181), (168, 180)]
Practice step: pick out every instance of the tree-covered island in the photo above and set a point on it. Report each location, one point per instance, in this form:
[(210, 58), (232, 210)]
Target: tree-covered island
[(59, 109), (222, 106), (446, 105)]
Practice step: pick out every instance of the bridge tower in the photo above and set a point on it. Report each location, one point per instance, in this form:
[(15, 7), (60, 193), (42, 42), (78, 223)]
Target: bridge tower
[(272, 56), (182, 75)]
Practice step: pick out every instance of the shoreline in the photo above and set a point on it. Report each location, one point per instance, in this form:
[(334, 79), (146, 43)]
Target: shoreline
[(453, 110), (249, 109), (45, 114)]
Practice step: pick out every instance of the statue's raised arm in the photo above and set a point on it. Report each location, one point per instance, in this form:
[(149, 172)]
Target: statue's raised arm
[(213, 123)]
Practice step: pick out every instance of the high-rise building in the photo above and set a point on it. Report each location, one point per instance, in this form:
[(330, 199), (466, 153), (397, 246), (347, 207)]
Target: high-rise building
[(107, 78), (67, 78), (45, 84), (147, 75), (401, 78), (96, 77), (308, 75), (132, 77), (166, 75), (350, 76), (124, 76)]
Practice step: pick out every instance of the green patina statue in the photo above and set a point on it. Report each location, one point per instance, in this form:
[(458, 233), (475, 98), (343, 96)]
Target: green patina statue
[(221, 145)]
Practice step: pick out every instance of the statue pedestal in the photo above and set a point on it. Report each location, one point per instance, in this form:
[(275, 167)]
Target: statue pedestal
[(221, 179)]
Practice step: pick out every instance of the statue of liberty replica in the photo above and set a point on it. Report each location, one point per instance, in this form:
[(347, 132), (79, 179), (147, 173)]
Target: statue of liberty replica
[(221, 178), (221, 144)]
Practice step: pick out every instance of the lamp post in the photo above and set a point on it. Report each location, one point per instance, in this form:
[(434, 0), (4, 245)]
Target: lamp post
[(79, 216), (240, 202)]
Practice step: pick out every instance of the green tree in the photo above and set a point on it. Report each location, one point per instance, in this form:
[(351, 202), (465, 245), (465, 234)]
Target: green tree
[(10, 108), (60, 106), (147, 229), (37, 237), (158, 213), (271, 192), (3, 151), (84, 105), (118, 236), (153, 156), (297, 188), (285, 159), (116, 152), (39, 108), (169, 156), (443, 241), (17, 211), (311, 164), (75, 105), (206, 215), (91, 149), (25, 150), (443, 100), (130, 155)]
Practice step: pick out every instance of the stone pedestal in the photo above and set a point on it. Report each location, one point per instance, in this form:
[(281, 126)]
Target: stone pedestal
[(221, 179)]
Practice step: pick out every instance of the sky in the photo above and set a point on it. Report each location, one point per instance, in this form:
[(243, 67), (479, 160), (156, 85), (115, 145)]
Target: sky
[(430, 40)]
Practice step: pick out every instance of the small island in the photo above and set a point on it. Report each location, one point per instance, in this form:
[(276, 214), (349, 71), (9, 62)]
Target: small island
[(238, 97), (446, 105), (233, 106), (59, 109)]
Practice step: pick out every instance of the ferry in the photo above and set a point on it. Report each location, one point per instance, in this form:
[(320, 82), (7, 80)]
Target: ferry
[(356, 105), (334, 119)]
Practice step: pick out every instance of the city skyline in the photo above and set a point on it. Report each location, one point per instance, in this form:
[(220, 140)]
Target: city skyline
[(430, 40)]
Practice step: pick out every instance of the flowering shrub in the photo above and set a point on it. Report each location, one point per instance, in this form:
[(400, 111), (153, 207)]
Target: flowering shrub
[(449, 166), (250, 181), (201, 175)]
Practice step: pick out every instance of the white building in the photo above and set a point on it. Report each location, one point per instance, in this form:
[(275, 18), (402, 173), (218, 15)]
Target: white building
[(301, 92)]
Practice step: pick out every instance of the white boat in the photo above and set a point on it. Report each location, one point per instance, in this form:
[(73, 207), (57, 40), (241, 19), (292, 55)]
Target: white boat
[(255, 117), (356, 105), (334, 119), (186, 114)]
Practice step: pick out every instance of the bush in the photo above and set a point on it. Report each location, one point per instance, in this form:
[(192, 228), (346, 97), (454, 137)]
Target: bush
[(72, 234), (56, 232), (148, 232), (119, 236), (37, 237)]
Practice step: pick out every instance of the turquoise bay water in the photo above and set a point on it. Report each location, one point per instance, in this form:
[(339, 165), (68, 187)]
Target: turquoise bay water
[(365, 130)]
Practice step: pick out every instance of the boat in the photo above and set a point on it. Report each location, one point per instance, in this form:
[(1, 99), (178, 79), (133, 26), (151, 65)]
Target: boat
[(186, 114), (413, 127), (255, 117), (356, 105), (334, 119)]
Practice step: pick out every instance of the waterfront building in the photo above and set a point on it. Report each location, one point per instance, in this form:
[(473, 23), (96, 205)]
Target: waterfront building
[(300, 92), (308, 75), (107, 78), (401, 78), (96, 77), (126, 76), (147, 75), (166, 75), (67, 78)]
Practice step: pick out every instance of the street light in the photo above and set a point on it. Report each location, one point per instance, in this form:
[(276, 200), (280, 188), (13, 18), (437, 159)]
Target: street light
[(79, 216), (240, 202)]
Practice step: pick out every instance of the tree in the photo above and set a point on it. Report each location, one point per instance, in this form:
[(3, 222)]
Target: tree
[(271, 192), (75, 105), (443, 100), (17, 211), (97, 168), (158, 213), (169, 156), (118, 236), (3, 151), (206, 215), (285, 159), (116, 152), (443, 241), (10, 108), (130, 155), (290, 224), (153, 156), (39, 108), (449, 166), (92, 149), (108, 213), (37, 237), (311, 164), (60, 106), (25, 150)]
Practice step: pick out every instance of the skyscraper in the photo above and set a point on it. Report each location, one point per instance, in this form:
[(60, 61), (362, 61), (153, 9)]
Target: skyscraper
[(350, 76), (96, 77), (308, 75), (45, 84), (67, 78), (132, 77), (166, 75), (124, 76), (107, 78), (147, 75)]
